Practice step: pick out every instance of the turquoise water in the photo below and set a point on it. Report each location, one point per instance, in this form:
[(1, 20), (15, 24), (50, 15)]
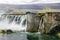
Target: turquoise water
[(27, 36)]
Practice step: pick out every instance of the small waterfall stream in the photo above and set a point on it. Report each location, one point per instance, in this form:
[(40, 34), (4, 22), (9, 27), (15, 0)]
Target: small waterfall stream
[(13, 22)]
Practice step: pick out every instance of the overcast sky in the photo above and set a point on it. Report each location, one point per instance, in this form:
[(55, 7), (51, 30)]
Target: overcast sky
[(28, 1)]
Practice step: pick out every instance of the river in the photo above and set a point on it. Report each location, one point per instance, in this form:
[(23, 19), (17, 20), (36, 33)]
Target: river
[(27, 36)]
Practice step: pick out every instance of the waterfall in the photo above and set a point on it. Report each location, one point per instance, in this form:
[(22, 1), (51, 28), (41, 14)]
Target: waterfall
[(13, 22)]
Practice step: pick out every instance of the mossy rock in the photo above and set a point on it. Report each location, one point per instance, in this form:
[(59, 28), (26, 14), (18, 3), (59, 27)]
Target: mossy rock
[(9, 31), (32, 30), (2, 31)]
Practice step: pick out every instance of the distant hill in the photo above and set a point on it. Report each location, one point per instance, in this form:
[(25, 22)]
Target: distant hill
[(33, 6)]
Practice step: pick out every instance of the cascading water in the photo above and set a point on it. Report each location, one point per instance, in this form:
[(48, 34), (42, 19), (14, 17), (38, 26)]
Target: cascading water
[(13, 22)]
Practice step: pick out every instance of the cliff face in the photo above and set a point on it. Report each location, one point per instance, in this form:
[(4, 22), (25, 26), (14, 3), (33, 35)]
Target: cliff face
[(41, 23), (32, 23)]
